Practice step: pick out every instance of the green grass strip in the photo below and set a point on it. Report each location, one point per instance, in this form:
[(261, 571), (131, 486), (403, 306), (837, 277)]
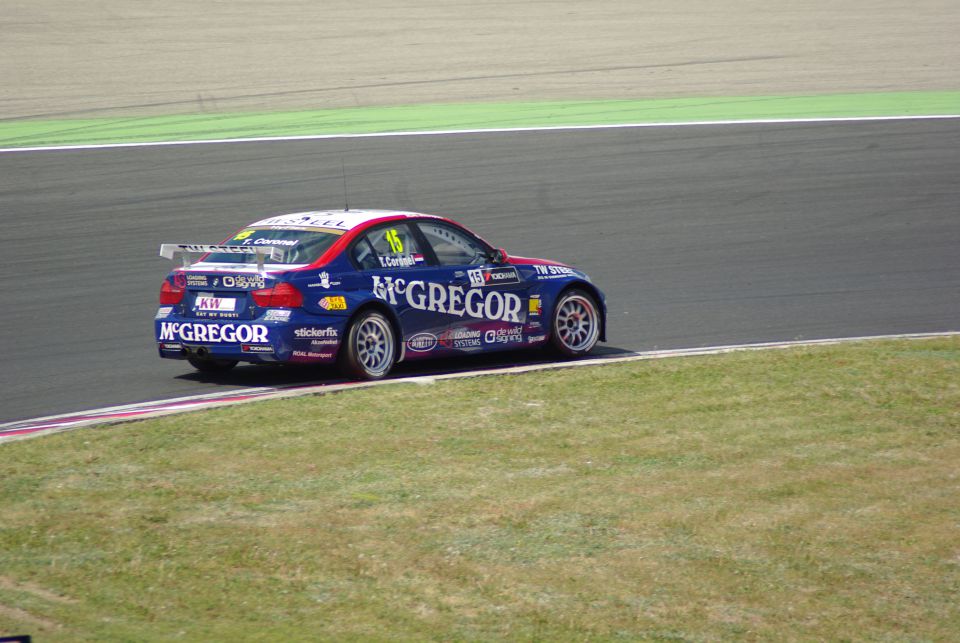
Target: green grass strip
[(366, 120), (811, 493)]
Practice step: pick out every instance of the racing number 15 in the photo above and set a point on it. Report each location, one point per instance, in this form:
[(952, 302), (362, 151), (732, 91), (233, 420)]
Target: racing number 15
[(396, 246)]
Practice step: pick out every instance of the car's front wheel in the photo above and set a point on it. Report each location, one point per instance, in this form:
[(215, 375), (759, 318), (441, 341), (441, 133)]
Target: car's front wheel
[(369, 348), (575, 327), (212, 365)]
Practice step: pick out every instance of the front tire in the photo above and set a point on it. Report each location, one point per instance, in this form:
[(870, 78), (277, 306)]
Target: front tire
[(212, 365), (575, 327), (370, 347)]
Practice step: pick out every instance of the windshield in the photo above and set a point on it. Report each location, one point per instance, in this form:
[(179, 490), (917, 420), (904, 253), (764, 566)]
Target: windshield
[(299, 245)]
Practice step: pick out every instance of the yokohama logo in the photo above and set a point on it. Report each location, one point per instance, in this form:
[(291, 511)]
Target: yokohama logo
[(493, 276)]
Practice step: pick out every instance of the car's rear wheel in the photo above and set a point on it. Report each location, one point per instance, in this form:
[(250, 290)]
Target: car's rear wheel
[(370, 347), (212, 365), (575, 327)]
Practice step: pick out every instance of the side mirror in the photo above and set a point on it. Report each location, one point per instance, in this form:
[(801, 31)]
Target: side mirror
[(497, 257)]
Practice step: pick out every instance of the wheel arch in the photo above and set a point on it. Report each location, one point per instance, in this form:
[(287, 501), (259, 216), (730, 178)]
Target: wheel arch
[(594, 292), (389, 313)]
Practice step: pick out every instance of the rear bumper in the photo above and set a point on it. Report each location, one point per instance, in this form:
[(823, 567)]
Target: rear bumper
[(302, 338)]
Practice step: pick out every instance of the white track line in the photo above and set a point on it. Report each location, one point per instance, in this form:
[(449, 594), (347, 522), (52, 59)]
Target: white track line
[(500, 130), (145, 410)]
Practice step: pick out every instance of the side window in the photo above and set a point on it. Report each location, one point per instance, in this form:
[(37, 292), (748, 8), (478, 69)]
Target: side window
[(363, 255), (453, 247), (394, 246)]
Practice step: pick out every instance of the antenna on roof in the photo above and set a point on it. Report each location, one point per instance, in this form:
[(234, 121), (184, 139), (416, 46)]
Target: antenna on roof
[(343, 172)]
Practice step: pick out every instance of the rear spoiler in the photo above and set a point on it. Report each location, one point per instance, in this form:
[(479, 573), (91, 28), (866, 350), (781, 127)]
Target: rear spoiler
[(171, 250)]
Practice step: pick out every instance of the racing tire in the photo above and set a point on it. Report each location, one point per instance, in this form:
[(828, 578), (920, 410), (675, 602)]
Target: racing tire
[(212, 365), (575, 324), (369, 349)]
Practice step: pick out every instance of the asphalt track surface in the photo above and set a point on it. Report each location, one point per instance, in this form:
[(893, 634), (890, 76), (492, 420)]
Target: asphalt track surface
[(699, 235)]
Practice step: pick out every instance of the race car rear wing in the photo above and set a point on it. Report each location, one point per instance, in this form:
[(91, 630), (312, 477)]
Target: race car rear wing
[(171, 250)]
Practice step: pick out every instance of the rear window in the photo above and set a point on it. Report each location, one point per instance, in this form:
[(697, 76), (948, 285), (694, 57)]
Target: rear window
[(299, 245)]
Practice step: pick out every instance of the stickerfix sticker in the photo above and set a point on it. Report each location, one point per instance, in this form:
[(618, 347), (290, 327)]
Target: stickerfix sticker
[(333, 303), (313, 333)]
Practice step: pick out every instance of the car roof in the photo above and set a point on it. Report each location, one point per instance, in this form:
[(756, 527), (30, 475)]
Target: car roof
[(345, 220)]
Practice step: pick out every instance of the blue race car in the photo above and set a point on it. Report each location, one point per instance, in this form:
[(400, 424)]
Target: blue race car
[(365, 289)]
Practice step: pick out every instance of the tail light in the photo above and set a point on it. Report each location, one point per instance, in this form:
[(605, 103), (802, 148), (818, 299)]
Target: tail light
[(170, 294), (282, 295)]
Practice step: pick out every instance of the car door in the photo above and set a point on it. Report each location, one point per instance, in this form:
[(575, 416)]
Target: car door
[(391, 262), (486, 304)]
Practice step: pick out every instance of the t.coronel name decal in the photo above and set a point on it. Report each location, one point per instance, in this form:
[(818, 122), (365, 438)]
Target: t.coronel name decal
[(449, 299), (213, 333)]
